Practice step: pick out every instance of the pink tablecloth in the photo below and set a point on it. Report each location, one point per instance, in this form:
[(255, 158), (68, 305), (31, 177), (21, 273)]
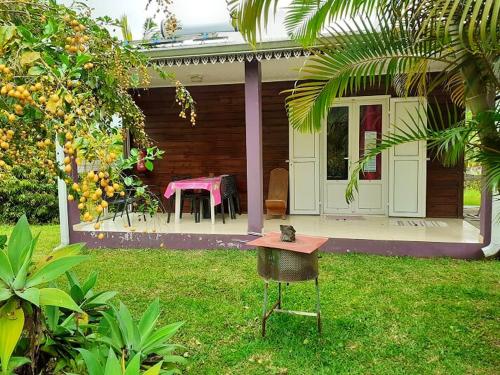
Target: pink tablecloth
[(212, 184)]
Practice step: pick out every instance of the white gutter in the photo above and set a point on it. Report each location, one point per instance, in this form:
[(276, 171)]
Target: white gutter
[(494, 247)]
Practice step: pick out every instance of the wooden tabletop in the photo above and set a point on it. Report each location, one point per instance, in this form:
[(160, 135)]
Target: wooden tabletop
[(303, 244)]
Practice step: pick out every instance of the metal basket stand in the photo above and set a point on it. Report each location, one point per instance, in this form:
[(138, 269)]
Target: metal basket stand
[(277, 307), (281, 265)]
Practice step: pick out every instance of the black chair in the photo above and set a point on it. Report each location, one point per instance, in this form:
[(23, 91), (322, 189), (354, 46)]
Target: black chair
[(228, 190), (190, 195), (120, 204), (233, 188)]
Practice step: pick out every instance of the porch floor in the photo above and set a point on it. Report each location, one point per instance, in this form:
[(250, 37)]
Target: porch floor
[(349, 227)]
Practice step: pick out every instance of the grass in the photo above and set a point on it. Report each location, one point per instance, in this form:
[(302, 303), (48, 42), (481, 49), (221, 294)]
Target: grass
[(381, 315), (472, 197)]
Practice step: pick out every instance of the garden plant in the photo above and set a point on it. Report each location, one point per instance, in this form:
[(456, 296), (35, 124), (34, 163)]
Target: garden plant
[(45, 329)]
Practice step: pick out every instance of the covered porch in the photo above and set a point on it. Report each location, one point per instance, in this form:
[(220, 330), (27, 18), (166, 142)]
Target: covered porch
[(243, 130)]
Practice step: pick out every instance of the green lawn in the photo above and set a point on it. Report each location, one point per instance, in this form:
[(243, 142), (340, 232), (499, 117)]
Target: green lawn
[(381, 315), (472, 197)]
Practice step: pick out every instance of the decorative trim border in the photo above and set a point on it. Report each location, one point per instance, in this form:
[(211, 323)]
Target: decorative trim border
[(169, 241), (232, 57)]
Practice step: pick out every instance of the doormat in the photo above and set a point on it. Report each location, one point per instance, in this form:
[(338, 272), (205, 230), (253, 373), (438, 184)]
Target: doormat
[(421, 223), (344, 218)]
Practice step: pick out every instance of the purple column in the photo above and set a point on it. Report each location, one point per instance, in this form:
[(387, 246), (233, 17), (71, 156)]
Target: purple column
[(73, 211), (253, 126)]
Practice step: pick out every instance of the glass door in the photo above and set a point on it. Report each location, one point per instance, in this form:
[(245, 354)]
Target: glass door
[(338, 150), (353, 127)]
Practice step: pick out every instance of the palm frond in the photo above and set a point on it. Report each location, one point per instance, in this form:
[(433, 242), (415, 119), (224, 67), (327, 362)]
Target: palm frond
[(360, 55)]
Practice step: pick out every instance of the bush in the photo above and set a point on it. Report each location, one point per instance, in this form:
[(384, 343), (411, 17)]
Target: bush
[(28, 192)]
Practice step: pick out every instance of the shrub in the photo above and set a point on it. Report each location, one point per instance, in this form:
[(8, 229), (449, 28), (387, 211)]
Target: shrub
[(29, 192)]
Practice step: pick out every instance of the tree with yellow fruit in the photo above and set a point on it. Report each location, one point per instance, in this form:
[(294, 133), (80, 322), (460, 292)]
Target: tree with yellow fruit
[(64, 79)]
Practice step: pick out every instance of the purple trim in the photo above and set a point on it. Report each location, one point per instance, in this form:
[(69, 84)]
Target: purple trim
[(225, 241), (73, 211), (253, 126), (485, 214)]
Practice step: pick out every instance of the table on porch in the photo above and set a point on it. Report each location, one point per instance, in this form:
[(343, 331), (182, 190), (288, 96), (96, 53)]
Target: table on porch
[(212, 184)]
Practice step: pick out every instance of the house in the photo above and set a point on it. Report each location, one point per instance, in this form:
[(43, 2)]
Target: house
[(408, 202)]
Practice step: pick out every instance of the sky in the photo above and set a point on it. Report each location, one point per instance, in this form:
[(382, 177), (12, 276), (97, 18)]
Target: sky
[(191, 13)]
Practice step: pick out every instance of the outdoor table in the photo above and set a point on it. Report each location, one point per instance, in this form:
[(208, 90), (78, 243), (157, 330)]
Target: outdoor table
[(288, 262), (212, 184)]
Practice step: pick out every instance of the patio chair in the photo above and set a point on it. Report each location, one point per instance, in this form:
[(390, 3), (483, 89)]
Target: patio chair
[(227, 190), (277, 196), (190, 195), (120, 204)]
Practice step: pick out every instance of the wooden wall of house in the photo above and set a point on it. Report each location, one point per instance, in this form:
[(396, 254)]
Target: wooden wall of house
[(217, 143)]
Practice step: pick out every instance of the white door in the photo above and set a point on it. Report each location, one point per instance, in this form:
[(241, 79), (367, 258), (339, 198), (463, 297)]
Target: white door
[(408, 162), (354, 125), (304, 172)]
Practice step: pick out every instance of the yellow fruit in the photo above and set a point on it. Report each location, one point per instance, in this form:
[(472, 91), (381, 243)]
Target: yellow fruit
[(101, 236), (97, 226), (71, 197), (122, 193), (69, 136), (75, 186), (99, 209), (81, 206), (67, 168), (104, 204), (67, 160)]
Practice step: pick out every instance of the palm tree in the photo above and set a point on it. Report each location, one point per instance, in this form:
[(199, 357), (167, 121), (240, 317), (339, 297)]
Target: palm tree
[(125, 29), (354, 43)]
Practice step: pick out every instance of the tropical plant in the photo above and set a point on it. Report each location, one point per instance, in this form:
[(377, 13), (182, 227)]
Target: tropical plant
[(131, 339), (23, 290), (125, 29), (151, 30), (112, 366), (397, 42)]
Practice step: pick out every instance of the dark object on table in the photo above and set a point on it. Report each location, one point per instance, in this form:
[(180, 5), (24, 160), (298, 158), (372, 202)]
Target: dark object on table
[(287, 233), (287, 262), (277, 196)]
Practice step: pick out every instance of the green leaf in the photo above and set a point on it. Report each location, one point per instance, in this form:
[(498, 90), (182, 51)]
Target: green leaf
[(129, 329), (36, 71), (28, 58), (57, 297), (11, 328), (5, 294), (7, 33), (83, 58), (114, 330), (6, 274), (52, 313), (89, 283), (50, 28), (54, 269), (134, 366), (16, 362), (3, 241), (77, 294), (26, 34), (31, 295), (99, 299), (149, 165), (112, 364), (155, 370), (20, 238), (92, 363), (161, 336), (149, 319)]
